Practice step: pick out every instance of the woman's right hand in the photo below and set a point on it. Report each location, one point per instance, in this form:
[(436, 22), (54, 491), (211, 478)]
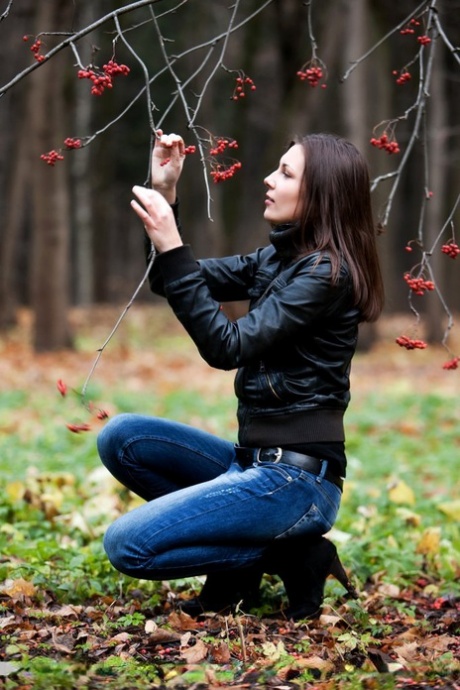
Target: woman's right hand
[(167, 160)]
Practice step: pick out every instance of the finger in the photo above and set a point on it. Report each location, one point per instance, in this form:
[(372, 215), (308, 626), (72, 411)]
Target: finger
[(141, 212)]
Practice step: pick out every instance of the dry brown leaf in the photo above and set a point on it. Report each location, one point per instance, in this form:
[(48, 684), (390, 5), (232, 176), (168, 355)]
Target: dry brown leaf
[(389, 590), (407, 652), (161, 636), (196, 653), (181, 621), (220, 654), (315, 661)]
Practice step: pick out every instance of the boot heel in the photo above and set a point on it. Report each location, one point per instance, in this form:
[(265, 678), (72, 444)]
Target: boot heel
[(337, 570)]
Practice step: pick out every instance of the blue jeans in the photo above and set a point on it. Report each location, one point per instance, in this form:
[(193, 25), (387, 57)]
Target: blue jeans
[(204, 513)]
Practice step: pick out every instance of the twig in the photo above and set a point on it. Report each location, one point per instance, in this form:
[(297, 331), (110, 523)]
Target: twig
[(355, 63), (7, 11), (114, 329)]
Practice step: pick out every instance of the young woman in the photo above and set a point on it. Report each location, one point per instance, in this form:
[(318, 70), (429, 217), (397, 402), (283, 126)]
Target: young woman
[(231, 511)]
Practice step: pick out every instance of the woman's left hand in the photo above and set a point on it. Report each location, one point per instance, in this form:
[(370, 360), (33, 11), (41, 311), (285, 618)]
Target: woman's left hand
[(157, 217)]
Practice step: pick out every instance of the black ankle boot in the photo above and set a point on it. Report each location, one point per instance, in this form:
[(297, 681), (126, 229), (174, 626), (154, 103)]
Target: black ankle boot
[(223, 592), (303, 565)]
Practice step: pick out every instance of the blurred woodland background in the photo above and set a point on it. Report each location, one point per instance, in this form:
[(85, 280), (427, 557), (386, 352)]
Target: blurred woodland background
[(68, 235)]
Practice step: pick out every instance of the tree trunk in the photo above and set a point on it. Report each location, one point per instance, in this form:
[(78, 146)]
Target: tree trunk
[(51, 216), (83, 221)]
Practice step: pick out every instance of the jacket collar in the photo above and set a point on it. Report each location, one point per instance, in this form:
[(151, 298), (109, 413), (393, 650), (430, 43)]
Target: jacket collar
[(283, 237)]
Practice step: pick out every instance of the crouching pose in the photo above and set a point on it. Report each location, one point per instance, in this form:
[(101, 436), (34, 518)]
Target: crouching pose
[(234, 511)]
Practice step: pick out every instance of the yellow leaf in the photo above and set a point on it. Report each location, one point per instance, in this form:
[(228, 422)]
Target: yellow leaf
[(400, 492), (272, 651), (409, 517), (430, 541), (15, 490), (18, 589), (451, 508)]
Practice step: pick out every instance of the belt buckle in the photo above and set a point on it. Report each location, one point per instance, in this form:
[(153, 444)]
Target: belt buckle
[(277, 452)]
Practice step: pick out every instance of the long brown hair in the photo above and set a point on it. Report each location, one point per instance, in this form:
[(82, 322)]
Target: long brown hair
[(336, 216)]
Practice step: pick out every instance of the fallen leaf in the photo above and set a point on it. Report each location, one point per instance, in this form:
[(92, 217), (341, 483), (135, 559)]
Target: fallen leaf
[(18, 589), (196, 653), (400, 492), (220, 654), (389, 590), (430, 541), (451, 509)]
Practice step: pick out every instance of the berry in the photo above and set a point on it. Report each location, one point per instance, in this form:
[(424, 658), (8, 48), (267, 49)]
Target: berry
[(241, 83), (452, 363), (220, 173), (72, 143), (424, 40), (103, 79), (418, 285), (404, 76), (451, 249), (51, 157), (410, 344), (312, 74), (386, 144)]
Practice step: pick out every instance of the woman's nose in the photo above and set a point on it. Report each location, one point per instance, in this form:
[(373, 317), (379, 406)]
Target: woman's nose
[(268, 182)]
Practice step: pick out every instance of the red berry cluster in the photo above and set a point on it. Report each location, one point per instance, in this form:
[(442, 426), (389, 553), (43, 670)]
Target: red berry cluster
[(221, 145), (452, 363), (71, 143), (385, 143), (424, 40), (221, 172), (451, 249), (35, 48), (187, 151), (410, 344), (241, 83), (103, 79), (409, 29), (418, 285), (312, 74), (404, 76), (52, 157), (112, 68)]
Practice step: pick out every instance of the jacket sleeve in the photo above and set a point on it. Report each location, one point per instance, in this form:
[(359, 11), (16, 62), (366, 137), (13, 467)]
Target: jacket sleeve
[(228, 279), (290, 307)]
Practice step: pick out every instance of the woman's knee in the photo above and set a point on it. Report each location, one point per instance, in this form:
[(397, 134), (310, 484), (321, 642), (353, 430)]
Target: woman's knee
[(119, 547), (113, 436)]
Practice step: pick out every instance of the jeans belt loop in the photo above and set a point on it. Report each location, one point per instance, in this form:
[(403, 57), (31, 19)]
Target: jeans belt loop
[(324, 466)]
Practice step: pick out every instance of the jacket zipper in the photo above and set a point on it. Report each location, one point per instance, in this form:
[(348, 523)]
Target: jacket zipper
[(270, 385)]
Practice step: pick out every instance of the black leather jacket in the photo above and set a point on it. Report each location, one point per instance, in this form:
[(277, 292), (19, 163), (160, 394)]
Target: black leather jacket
[(292, 349)]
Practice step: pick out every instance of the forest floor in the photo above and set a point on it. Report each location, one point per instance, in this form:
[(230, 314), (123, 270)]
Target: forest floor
[(68, 621)]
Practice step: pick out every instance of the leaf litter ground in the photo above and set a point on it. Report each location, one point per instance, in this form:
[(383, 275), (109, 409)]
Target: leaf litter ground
[(67, 620)]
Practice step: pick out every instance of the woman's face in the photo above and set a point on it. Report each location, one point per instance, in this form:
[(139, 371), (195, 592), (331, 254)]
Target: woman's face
[(283, 187)]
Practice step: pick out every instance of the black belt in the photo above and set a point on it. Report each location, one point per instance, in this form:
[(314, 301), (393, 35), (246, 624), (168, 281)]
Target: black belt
[(249, 456)]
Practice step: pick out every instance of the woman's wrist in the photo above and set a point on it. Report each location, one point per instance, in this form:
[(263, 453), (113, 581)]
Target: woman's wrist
[(168, 193)]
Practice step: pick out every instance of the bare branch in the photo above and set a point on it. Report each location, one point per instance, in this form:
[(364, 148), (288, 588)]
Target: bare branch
[(355, 64), (7, 11), (72, 38)]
